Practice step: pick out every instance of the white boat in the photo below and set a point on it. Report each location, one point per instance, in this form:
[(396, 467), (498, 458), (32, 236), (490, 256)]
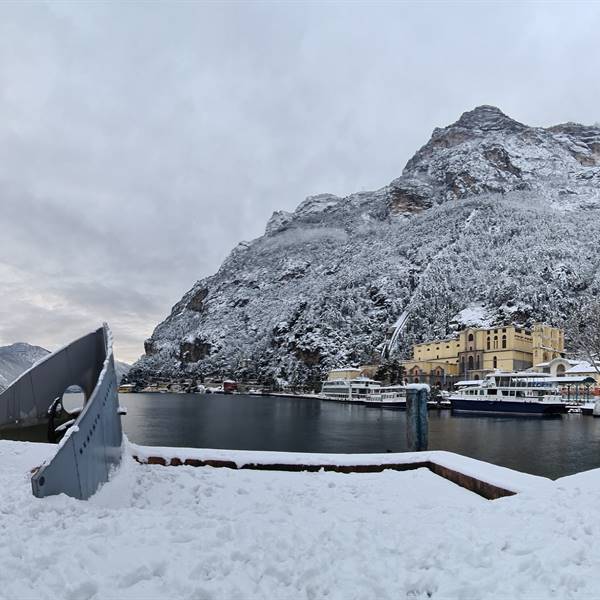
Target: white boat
[(363, 390), (516, 393)]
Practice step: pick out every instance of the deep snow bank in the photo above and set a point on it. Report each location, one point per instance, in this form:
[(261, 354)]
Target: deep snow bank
[(156, 532)]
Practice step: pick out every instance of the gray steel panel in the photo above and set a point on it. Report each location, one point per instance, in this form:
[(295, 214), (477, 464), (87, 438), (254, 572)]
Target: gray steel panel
[(93, 445)]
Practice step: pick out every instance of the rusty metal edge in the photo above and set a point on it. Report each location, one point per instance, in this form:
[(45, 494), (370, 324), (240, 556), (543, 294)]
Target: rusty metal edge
[(477, 486)]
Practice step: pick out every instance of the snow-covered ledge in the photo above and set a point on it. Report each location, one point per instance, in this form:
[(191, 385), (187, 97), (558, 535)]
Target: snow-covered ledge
[(485, 479)]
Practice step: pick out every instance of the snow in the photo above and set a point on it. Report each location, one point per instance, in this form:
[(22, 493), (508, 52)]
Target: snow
[(474, 315), (582, 368), (502, 477), (418, 387), (185, 532)]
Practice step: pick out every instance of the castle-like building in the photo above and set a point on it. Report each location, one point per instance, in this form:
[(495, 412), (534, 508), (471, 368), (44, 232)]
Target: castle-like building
[(477, 351)]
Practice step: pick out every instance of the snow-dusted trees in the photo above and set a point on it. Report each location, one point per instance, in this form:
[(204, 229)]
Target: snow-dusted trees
[(583, 330)]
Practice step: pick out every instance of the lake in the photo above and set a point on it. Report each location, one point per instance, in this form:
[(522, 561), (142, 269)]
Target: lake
[(548, 446)]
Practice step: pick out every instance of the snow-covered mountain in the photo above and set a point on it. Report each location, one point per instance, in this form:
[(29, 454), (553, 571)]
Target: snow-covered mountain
[(121, 369), (16, 359), (491, 218)]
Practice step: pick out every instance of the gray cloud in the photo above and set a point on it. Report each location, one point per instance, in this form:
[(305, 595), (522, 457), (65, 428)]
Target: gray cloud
[(140, 142)]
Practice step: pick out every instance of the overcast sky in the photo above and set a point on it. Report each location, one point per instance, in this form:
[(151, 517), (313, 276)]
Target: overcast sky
[(139, 143)]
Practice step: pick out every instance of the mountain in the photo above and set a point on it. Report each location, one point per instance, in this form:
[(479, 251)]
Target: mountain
[(121, 369), (491, 219), (16, 359)]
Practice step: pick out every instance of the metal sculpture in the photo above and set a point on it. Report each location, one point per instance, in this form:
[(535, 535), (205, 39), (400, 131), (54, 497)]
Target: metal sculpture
[(92, 446)]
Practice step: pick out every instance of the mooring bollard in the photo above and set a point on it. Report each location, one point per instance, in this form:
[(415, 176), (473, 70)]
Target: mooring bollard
[(417, 427)]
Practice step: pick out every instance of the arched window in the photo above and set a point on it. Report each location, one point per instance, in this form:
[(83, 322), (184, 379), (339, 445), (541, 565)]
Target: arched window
[(495, 362), (471, 338), (495, 342), (470, 363), (477, 362), (504, 341), (560, 371), (489, 343)]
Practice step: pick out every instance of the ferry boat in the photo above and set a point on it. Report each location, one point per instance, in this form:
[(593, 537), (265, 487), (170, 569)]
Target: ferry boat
[(393, 396), (362, 390), (515, 393)]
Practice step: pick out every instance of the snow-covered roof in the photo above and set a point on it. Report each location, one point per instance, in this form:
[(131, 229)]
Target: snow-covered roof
[(567, 360), (582, 367)]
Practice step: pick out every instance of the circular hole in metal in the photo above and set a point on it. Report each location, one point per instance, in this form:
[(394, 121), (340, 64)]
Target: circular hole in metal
[(73, 398)]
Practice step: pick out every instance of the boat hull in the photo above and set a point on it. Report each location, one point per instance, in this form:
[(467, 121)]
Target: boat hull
[(388, 404), (503, 407)]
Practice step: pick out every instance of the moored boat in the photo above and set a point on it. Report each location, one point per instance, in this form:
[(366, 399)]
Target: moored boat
[(388, 397), (362, 390), (514, 393)]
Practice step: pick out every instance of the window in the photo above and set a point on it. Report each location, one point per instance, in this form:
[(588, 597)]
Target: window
[(495, 362), (471, 338), (470, 363), (489, 342), (504, 341), (495, 342)]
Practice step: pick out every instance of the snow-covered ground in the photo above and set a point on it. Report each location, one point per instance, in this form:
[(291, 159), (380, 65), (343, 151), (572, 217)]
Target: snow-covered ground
[(185, 532)]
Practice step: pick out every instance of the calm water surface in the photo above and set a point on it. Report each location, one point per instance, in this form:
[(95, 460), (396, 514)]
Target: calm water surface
[(551, 446)]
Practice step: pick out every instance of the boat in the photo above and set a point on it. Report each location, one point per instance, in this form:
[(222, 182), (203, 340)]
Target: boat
[(362, 390), (514, 393), (393, 396)]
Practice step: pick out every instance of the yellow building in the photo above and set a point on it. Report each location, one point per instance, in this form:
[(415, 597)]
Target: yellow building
[(477, 351)]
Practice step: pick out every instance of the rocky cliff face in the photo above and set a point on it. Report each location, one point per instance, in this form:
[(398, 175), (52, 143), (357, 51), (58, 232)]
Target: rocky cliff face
[(491, 216)]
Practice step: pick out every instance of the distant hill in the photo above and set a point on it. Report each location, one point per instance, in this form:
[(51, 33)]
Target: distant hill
[(122, 369), (17, 358)]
